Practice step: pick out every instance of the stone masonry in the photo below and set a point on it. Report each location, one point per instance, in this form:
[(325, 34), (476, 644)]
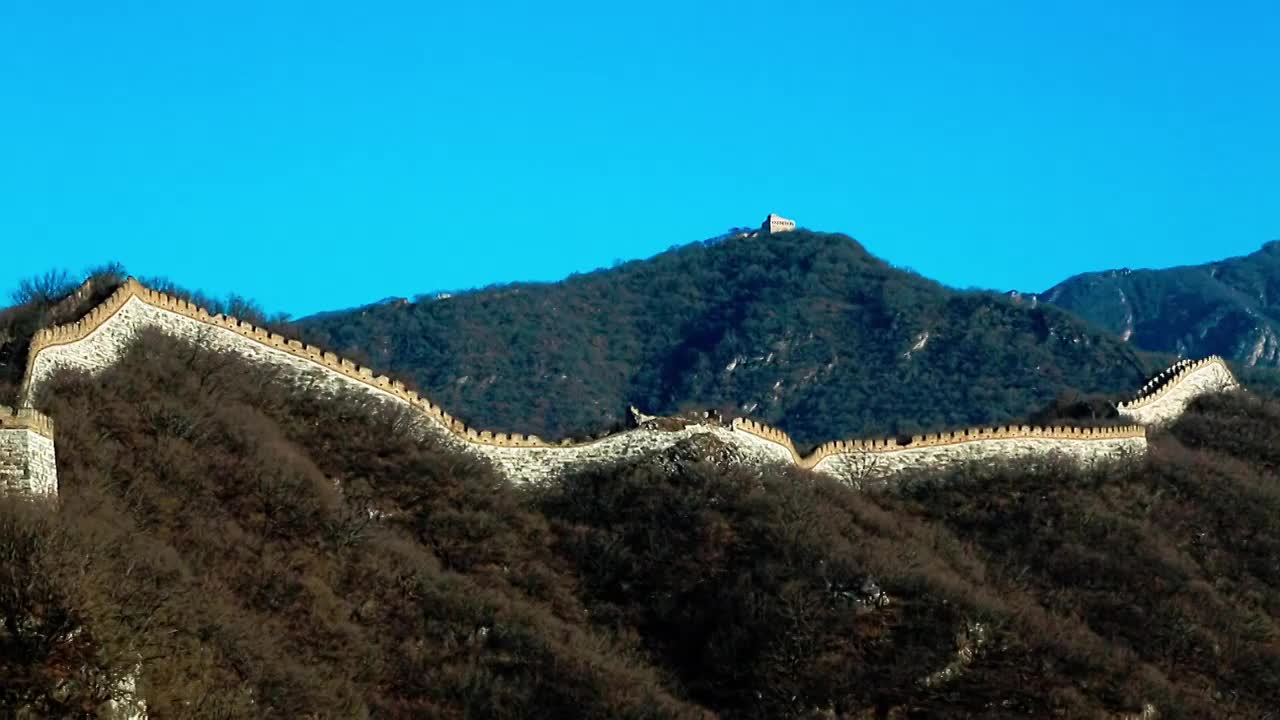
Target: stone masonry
[(853, 465), (775, 223), (27, 461), (1164, 399)]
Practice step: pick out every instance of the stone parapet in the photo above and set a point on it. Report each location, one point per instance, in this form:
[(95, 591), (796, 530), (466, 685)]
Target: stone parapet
[(27, 461), (1165, 397), (933, 440), (26, 419)]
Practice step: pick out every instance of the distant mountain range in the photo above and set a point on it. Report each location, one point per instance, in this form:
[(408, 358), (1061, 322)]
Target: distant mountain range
[(803, 330), (1230, 307)]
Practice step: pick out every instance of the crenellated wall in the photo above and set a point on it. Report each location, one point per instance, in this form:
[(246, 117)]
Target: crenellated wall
[(27, 461), (100, 338), (1163, 399), (869, 458)]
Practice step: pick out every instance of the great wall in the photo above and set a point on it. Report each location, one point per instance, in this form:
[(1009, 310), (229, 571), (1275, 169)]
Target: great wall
[(100, 338)]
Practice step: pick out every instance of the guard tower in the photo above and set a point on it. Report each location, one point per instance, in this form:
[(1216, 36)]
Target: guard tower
[(27, 462), (777, 224)]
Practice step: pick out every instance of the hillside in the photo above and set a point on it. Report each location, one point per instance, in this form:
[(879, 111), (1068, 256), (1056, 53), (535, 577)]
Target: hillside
[(244, 548), (1230, 307), (806, 331)]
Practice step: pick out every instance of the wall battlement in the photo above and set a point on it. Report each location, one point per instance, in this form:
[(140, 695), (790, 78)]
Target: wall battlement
[(1163, 399), (1160, 383), (934, 440), (97, 340), (26, 419), (27, 462)]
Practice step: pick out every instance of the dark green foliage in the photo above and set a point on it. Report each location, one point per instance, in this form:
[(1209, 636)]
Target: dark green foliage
[(1261, 380), (1222, 308), (806, 331)]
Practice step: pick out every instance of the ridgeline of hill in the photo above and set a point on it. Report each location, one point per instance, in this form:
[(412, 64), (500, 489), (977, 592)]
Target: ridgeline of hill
[(1229, 307), (805, 331)]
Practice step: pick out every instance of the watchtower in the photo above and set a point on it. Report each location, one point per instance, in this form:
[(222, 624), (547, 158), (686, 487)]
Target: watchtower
[(777, 224)]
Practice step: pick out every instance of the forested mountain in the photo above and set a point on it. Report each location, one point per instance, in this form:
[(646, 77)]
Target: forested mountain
[(803, 330), (235, 547), (1230, 307)]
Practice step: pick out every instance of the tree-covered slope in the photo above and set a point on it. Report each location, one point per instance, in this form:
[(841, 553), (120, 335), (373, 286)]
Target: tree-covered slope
[(242, 549), (1230, 307), (804, 330)]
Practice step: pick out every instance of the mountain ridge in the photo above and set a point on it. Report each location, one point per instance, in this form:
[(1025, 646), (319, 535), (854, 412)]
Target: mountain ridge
[(267, 548), (1228, 307), (101, 336), (772, 326)]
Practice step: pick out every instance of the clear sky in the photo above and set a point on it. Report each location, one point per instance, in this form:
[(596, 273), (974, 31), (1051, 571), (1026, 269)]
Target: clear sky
[(316, 155)]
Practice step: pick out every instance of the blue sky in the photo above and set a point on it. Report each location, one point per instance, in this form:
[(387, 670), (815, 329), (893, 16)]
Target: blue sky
[(315, 155)]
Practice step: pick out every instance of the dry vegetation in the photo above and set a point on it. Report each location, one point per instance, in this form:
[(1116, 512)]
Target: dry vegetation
[(254, 551)]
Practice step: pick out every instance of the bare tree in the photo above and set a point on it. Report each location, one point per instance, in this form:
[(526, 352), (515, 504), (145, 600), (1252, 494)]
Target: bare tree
[(43, 289)]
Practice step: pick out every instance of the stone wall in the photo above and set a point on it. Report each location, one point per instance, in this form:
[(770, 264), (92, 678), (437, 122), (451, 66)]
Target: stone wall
[(844, 458), (544, 463), (1081, 451), (100, 338), (1163, 399), (27, 461)]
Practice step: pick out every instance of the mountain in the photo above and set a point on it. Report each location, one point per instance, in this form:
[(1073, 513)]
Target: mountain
[(227, 545), (1230, 307), (803, 330), (391, 300)]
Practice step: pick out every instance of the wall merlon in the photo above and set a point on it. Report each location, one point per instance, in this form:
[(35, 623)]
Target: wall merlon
[(26, 419), (1164, 397), (26, 446)]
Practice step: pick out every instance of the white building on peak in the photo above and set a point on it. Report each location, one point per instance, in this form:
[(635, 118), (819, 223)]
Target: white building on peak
[(775, 223)]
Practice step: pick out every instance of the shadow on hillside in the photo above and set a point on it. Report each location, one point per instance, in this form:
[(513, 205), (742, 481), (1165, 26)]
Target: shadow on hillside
[(248, 548)]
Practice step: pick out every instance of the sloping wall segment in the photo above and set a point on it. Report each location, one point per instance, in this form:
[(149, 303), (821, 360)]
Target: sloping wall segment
[(1164, 398)]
